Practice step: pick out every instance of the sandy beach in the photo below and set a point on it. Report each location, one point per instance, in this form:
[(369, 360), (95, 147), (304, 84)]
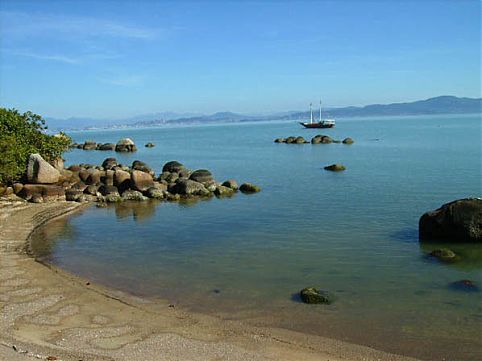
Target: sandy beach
[(49, 314)]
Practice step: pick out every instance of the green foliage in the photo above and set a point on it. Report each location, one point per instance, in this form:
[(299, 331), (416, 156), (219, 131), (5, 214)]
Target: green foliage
[(21, 135)]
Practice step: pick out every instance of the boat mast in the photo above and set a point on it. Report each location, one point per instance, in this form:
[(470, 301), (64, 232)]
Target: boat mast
[(311, 114), (320, 110)]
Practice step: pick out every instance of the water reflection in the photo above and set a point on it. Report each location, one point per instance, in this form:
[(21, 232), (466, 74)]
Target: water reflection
[(470, 254), (139, 211), (45, 237)]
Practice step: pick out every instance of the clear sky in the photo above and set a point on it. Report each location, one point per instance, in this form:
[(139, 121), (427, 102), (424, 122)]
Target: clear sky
[(121, 58)]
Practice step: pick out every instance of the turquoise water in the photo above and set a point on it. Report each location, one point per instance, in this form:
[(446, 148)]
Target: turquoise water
[(353, 233)]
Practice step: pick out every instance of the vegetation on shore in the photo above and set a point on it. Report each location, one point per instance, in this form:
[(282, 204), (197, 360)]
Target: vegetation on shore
[(22, 135)]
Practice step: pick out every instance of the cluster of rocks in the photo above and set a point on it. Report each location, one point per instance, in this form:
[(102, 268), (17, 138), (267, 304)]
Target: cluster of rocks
[(317, 139), (123, 145), (114, 182)]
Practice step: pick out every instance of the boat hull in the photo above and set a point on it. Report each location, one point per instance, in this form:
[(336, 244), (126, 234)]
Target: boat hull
[(317, 125)]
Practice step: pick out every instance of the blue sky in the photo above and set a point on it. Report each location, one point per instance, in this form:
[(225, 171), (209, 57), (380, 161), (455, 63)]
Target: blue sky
[(114, 59)]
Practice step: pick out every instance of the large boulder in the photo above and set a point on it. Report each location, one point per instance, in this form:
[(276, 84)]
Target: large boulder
[(139, 165), (457, 221), (189, 187), (141, 181), (173, 167), (125, 145), (40, 171)]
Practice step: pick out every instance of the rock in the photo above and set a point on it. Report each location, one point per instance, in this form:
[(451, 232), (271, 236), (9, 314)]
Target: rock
[(109, 163), (444, 254), (75, 168), (335, 168), (457, 221), (326, 139), (112, 198), (94, 176), (49, 192), (312, 295), (125, 145), (107, 146), (79, 186), (132, 195), (40, 171), (106, 190), (91, 190), (73, 195), (231, 183), (173, 167), (202, 176), (290, 140), (138, 165), (57, 163), (280, 140), (108, 178), (348, 141), (249, 188), (222, 191), (464, 285), (89, 145), (36, 198), (17, 187), (154, 192), (141, 181), (337, 141), (86, 198), (189, 188), (122, 179), (315, 140), (171, 197), (150, 145), (9, 191), (300, 140)]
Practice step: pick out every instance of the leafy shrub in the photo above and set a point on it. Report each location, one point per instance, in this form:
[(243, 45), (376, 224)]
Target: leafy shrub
[(21, 135)]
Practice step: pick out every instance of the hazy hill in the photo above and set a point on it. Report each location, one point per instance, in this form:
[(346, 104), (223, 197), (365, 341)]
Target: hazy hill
[(437, 105)]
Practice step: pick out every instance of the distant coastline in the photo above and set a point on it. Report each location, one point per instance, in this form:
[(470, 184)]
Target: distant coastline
[(442, 105)]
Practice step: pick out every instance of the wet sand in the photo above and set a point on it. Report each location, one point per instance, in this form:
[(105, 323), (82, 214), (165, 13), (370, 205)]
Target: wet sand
[(46, 312)]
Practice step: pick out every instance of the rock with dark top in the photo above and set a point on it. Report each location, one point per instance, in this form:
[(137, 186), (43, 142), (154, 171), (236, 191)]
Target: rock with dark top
[(173, 167), (335, 168), (249, 188), (290, 140), (139, 165), (300, 140), (280, 140), (457, 221), (313, 295), (150, 145), (107, 146), (231, 183), (89, 145), (125, 145), (444, 255), (202, 176), (106, 190), (348, 141), (40, 171), (141, 181), (316, 140), (189, 188), (464, 285), (109, 163)]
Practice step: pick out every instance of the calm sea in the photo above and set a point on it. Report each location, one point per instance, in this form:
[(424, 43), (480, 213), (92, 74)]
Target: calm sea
[(353, 233)]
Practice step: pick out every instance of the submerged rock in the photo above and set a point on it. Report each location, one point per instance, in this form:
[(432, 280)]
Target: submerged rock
[(125, 145), (335, 168), (444, 254), (464, 285), (457, 221), (222, 191), (131, 195), (348, 141), (89, 145), (231, 183), (313, 295), (106, 146), (280, 140), (150, 145), (189, 187)]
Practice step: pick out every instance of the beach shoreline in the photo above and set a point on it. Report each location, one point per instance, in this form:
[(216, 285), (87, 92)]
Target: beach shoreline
[(49, 312)]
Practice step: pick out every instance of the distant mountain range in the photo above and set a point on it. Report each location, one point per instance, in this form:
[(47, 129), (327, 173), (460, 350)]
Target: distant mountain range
[(437, 105)]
